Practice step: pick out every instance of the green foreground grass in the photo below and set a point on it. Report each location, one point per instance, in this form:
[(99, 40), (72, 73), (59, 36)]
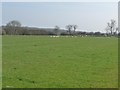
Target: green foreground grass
[(64, 62), (0, 61)]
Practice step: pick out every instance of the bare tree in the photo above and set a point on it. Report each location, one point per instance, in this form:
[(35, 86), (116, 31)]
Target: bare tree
[(111, 27), (75, 27), (12, 26), (69, 27), (107, 31), (56, 30), (117, 30)]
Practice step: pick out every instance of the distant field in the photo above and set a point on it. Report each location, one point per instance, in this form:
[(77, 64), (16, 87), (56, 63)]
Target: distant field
[(59, 62)]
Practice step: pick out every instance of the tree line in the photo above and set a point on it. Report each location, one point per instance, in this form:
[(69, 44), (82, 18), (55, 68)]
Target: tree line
[(15, 28)]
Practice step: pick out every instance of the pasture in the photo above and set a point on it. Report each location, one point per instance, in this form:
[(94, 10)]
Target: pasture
[(0, 61), (59, 62)]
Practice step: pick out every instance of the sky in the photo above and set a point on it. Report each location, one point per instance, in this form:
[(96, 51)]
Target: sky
[(59, 0), (89, 16)]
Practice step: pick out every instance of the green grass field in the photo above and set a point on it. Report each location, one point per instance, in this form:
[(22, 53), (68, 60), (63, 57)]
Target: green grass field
[(0, 62), (61, 62)]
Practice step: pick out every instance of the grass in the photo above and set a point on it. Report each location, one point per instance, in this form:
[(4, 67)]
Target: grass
[(0, 62), (47, 62)]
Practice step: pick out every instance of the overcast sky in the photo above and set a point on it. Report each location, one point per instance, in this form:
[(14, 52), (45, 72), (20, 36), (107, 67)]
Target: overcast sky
[(60, 0), (89, 16)]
